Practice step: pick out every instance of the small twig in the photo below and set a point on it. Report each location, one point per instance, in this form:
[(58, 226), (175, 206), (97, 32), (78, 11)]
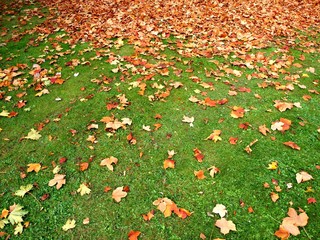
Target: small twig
[(41, 207), (306, 233)]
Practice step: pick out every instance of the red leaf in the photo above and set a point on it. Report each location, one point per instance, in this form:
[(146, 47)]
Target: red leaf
[(311, 200), (133, 235)]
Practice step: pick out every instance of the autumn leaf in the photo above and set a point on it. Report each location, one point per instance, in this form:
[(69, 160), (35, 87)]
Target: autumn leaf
[(237, 112), (215, 136), (282, 233), (118, 194), (233, 140), (83, 189), (311, 200), (264, 130), (18, 229), (70, 224), (23, 190), (213, 170), (198, 154), (293, 145), (33, 135), (58, 180), (220, 209), (199, 174), (282, 106), (133, 235), (16, 214), (303, 177), (273, 165), (168, 163), (274, 196), (83, 166), (225, 226), (108, 162), (189, 120), (294, 221), (148, 216), (34, 167), (248, 147)]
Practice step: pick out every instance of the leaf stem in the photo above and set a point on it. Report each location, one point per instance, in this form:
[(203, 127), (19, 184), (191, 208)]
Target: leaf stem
[(41, 207), (306, 233)]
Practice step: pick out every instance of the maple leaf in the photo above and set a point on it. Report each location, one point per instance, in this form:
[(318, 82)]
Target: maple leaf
[(108, 162), (274, 196), (293, 145), (220, 209), (166, 206), (294, 221), (83, 189), (33, 135), (70, 224), (303, 177), (23, 190), (198, 155), (273, 165), (34, 167), (237, 112), (311, 200), (83, 166), (264, 130), (146, 128), (213, 170), (282, 106), (168, 163), (215, 136), (282, 233), (58, 180), (199, 174), (18, 229), (148, 216), (225, 226), (189, 120), (118, 194), (248, 147), (133, 235), (4, 113), (16, 214), (233, 140)]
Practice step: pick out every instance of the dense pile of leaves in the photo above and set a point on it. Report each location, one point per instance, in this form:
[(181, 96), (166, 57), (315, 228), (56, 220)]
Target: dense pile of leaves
[(217, 26)]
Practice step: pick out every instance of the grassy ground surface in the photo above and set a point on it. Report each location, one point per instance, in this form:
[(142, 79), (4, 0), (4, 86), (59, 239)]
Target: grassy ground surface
[(162, 101)]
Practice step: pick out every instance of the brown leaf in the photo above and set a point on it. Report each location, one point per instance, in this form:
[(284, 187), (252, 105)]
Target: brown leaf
[(293, 145), (108, 162)]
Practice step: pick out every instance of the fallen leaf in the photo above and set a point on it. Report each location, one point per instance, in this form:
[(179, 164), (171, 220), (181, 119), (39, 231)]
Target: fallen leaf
[(148, 216), (33, 135), (311, 200), (86, 221), (16, 214), (199, 174), (133, 235), (18, 229), (273, 165), (220, 209), (70, 224), (274, 196), (248, 147), (264, 130), (23, 190), (282, 233), (168, 163), (303, 177), (233, 140), (293, 145), (108, 162), (225, 226), (83, 189), (83, 166), (34, 167), (215, 136), (189, 120), (198, 155), (237, 112), (118, 194), (58, 180), (213, 170)]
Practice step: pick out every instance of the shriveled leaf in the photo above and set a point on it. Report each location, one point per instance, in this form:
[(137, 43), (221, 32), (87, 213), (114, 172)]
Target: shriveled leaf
[(215, 136), (213, 170), (293, 145)]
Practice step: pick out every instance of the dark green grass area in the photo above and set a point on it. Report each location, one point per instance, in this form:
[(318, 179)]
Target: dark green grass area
[(82, 100)]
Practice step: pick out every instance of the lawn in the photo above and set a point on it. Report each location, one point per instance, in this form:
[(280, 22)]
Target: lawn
[(120, 121)]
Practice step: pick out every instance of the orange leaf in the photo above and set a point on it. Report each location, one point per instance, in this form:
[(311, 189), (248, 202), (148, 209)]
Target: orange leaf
[(118, 194), (263, 130), (215, 136), (34, 167), (133, 235), (168, 163), (293, 145), (199, 174), (107, 189), (148, 216), (183, 213), (282, 233), (237, 112), (198, 154), (233, 140), (157, 126), (250, 210), (83, 166), (274, 196)]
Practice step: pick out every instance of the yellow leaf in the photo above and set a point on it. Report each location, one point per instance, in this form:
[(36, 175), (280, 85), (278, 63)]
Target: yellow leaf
[(23, 190), (83, 189), (33, 135), (71, 223), (16, 214), (18, 229), (273, 165), (34, 167)]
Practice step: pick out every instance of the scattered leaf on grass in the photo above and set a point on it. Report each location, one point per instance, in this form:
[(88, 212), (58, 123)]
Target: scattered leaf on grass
[(108, 162), (168, 163), (58, 180), (133, 235), (118, 194), (293, 145), (220, 209), (23, 190), (70, 224), (83, 189), (213, 170), (16, 214), (199, 174), (33, 135), (225, 226), (303, 177), (34, 167)]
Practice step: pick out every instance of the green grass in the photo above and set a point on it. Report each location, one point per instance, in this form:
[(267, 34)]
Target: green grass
[(241, 175)]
